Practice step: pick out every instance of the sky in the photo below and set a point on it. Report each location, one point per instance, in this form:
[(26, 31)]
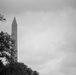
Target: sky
[(46, 33)]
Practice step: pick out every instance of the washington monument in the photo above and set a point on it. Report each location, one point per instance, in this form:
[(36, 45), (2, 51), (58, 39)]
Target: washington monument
[(14, 36)]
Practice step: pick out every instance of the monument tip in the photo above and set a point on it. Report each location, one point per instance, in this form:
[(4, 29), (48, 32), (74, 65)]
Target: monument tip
[(14, 21)]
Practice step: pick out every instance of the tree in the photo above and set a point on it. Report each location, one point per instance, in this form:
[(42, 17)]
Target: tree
[(6, 47), (35, 73), (17, 69), (2, 18)]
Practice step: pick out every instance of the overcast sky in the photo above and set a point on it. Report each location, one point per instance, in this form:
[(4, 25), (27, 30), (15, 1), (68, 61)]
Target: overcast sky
[(46, 33)]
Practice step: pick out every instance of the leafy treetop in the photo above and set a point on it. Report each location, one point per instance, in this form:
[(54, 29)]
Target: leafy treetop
[(17, 68), (6, 46)]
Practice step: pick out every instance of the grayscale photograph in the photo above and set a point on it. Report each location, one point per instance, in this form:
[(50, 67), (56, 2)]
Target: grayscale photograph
[(37, 37)]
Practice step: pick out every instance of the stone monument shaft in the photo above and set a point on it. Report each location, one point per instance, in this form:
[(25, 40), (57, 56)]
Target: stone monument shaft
[(14, 36)]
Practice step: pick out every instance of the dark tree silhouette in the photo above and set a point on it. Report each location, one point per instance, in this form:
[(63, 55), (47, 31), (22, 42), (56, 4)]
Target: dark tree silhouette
[(6, 47), (18, 69)]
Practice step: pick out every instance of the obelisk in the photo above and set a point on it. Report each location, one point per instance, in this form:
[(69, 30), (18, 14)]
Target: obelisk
[(14, 36)]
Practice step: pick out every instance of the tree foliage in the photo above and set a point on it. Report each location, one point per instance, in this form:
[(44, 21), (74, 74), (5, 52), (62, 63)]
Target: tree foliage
[(6, 46), (18, 69)]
